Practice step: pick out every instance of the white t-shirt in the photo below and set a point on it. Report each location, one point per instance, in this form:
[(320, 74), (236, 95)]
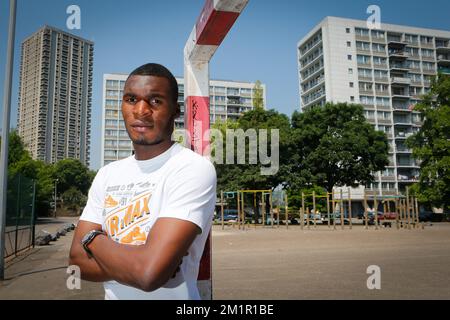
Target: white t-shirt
[(128, 196)]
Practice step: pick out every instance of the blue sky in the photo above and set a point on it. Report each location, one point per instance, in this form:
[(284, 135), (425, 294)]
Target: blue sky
[(261, 45)]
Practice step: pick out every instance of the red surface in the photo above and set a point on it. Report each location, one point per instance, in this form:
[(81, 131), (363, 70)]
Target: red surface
[(197, 122), (212, 26)]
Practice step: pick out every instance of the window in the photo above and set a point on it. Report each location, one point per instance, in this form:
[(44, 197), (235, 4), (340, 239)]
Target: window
[(365, 73), (362, 32), (378, 34), (412, 39), (381, 87), (365, 86), (349, 44), (352, 98), (426, 40), (363, 59), (379, 61), (414, 64), (428, 66), (349, 57), (381, 115), (351, 84), (383, 102), (427, 53), (369, 114), (376, 47), (350, 71), (380, 74), (366, 100), (347, 30), (365, 46)]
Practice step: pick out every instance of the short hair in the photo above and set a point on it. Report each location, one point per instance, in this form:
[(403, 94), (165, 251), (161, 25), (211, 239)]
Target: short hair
[(157, 70)]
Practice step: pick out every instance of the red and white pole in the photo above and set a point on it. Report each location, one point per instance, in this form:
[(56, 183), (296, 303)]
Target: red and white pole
[(214, 23)]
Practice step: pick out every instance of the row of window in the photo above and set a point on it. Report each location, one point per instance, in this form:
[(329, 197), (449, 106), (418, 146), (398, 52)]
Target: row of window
[(409, 38)]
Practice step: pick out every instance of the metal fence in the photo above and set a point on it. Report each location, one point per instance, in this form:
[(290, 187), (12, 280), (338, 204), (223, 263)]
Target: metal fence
[(20, 216)]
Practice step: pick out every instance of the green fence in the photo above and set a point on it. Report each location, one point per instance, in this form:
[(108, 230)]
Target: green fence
[(20, 218)]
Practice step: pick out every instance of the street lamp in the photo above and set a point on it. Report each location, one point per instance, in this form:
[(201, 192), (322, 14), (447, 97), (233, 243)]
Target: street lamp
[(56, 183)]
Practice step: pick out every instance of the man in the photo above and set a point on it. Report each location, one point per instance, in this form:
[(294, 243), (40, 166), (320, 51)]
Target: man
[(144, 213)]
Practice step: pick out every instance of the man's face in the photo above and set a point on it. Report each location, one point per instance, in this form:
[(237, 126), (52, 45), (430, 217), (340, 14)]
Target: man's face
[(148, 110)]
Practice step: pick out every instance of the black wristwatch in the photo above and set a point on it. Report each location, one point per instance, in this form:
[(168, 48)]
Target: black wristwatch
[(88, 238)]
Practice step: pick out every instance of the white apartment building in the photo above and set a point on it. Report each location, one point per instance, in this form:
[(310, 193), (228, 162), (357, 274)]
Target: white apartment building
[(228, 100), (386, 70)]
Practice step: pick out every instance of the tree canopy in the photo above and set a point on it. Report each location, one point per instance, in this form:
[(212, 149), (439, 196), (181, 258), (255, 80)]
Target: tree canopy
[(431, 145)]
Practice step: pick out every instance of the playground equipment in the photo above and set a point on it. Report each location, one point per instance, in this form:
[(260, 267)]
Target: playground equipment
[(376, 209), (265, 198)]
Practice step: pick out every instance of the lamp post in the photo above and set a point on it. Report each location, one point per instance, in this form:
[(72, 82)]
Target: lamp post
[(55, 198), (5, 130)]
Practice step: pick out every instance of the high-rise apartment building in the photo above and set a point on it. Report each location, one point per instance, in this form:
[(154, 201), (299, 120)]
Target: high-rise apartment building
[(54, 115), (228, 100), (386, 70)]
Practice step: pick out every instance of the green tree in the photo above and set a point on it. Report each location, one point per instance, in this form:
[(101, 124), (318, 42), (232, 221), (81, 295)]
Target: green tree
[(431, 145), (20, 162), (258, 99), (72, 173), (74, 198), (334, 145), (232, 177)]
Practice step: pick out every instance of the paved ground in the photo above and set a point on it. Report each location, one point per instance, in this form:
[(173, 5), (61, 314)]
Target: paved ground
[(326, 264), (277, 264)]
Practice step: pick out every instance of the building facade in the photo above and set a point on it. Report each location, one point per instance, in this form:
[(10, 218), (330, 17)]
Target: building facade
[(228, 100), (386, 70), (55, 95)]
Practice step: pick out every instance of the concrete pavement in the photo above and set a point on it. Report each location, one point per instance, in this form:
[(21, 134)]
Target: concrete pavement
[(265, 264)]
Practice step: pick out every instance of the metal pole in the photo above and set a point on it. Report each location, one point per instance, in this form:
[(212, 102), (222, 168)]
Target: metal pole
[(286, 209), (5, 130), (366, 222), (328, 209), (350, 216), (56, 196), (314, 209), (221, 208), (271, 209), (341, 205), (375, 209)]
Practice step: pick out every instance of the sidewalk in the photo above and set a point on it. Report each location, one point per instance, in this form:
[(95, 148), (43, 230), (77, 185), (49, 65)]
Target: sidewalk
[(41, 272)]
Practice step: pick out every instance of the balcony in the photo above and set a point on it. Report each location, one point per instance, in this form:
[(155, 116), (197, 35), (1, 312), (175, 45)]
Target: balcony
[(403, 135), (444, 70), (402, 121), (401, 95), (407, 164), (397, 54), (443, 60), (396, 42), (400, 81), (402, 67), (402, 107)]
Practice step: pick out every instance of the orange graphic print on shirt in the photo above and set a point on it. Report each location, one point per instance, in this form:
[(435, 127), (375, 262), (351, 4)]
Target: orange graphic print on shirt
[(134, 237), (124, 224), (110, 202)]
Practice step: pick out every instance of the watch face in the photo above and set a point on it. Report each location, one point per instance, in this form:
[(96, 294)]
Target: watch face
[(88, 236)]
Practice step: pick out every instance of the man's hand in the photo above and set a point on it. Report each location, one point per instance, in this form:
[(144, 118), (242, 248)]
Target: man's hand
[(178, 268), (90, 270)]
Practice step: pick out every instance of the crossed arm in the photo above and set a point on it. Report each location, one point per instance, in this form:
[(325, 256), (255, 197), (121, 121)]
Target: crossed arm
[(146, 267)]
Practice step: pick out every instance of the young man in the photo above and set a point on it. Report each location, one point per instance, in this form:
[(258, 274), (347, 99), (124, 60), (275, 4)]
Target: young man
[(147, 218)]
